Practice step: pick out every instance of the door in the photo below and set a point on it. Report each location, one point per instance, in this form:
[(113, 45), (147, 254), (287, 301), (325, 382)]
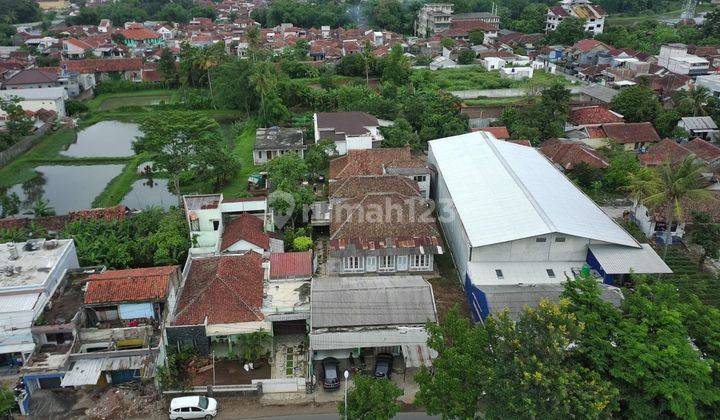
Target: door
[(402, 263), (371, 264)]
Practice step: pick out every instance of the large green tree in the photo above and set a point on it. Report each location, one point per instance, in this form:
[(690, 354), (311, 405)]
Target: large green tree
[(543, 118), (370, 398), (568, 32), (637, 103), (187, 145), (520, 369)]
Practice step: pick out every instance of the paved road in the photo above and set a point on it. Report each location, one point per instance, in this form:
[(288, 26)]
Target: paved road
[(401, 416)]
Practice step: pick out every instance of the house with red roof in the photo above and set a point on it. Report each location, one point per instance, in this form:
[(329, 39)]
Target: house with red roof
[(137, 37), (246, 232), (568, 154), (631, 136), (105, 68), (221, 298)]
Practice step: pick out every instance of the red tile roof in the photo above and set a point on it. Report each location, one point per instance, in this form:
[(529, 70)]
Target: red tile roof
[(226, 289), (569, 154), (291, 265), (32, 76), (666, 150), (139, 34), (594, 115), (559, 11), (499, 132), (586, 45), (372, 161), (596, 132), (104, 65), (245, 227), (134, 285), (704, 149), (631, 132)]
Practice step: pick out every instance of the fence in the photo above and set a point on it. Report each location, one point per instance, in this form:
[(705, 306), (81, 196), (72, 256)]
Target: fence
[(23, 145), (245, 390)]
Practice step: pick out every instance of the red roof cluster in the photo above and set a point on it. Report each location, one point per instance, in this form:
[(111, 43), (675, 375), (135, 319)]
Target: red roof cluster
[(245, 227), (669, 150), (139, 34), (631, 132), (103, 65), (371, 162), (133, 285), (291, 265), (224, 289), (588, 44)]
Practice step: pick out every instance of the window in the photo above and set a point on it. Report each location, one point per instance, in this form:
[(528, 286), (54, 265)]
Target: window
[(352, 264), (550, 273), (216, 224), (560, 239), (260, 155), (371, 263), (419, 262), (540, 239), (419, 178), (499, 274), (194, 225), (387, 263)]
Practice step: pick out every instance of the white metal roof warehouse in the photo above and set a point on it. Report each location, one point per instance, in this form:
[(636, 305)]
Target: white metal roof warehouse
[(510, 218)]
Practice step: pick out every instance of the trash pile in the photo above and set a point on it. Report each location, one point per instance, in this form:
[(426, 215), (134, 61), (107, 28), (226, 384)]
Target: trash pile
[(123, 402)]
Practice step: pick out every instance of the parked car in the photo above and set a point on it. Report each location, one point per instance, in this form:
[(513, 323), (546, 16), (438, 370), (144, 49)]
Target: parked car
[(383, 365), (331, 373), (193, 408)]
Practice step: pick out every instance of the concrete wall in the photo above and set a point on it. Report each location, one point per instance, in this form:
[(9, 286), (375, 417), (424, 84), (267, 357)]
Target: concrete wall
[(556, 247), (23, 145)]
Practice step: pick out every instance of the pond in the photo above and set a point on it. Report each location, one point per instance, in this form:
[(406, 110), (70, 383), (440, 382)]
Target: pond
[(104, 139), (66, 188), (152, 100), (150, 193)]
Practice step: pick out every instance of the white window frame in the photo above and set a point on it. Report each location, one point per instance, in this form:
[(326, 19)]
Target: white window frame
[(386, 263), (401, 262), (353, 264), (371, 263), (419, 262)]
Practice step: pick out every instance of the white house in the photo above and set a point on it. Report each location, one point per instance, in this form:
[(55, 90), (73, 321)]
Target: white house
[(711, 82), (511, 219), (349, 130), (703, 127), (51, 99), (517, 73), (210, 216), (276, 141), (30, 272), (493, 63), (593, 15), (676, 59)]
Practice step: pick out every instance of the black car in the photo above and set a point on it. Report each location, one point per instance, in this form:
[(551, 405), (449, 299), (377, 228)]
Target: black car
[(331, 373), (383, 365)]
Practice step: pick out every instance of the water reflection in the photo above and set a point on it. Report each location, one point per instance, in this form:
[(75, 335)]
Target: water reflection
[(149, 193), (104, 139), (66, 188)]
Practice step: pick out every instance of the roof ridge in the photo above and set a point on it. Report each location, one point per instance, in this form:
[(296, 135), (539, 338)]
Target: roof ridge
[(546, 219)]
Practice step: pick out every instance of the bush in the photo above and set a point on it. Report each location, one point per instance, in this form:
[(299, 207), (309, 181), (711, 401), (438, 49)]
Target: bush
[(74, 107), (302, 243)]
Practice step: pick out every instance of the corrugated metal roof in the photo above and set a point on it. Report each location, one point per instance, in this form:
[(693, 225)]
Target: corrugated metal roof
[(369, 338), (83, 372), (87, 371), (503, 192), (699, 123), (622, 260), (516, 298), (363, 301), (417, 355)]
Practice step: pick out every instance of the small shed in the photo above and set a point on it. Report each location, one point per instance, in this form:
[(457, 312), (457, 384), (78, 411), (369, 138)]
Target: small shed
[(276, 141)]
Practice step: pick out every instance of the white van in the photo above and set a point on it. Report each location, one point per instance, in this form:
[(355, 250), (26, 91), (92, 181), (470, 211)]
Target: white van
[(193, 408)]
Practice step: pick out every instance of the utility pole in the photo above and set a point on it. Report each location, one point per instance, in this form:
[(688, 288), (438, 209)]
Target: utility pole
[(347, 375)]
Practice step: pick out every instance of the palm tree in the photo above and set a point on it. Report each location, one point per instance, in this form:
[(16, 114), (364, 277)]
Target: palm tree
[(694, 98), (41, 208), (673, 185), (253, 39), (263, 80)]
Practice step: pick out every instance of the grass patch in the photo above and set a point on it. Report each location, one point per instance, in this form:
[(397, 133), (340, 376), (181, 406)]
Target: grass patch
[(138, 98), (243, 151), (477, 78), (121, 185), (484, 101), (447, 289)]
